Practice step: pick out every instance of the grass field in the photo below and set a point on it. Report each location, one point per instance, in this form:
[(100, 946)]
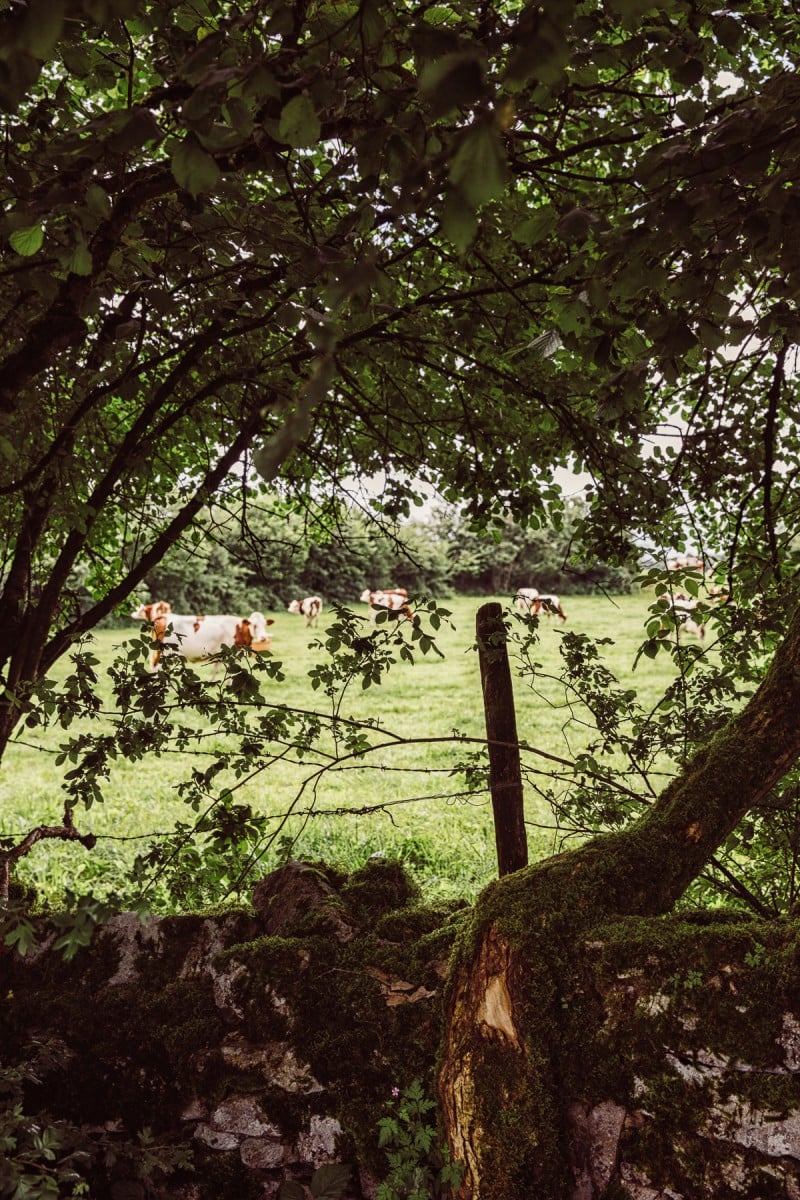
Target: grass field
[(411, 790)]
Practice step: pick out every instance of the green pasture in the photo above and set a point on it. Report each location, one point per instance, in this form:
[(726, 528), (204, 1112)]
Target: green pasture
[(409, 798)]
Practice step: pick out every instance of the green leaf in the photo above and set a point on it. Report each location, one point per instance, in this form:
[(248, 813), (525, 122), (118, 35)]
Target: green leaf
[(454, 81), (728, 32), (43, 24), (541, 49), (77, 60), (81, 261), (281, 21), (478, 166), (372, 25), (633, 10), (139, 129), (299, 124), (192, 168), (388, 1129), (459, 223), (536, 228), (329, 1181), (689, 72), (22, 935), (290, 1189), (97, 200), (691, 112), (27, 241)]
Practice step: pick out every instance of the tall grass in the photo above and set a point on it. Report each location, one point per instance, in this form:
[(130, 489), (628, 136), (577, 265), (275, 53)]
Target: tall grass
[(405, 799)]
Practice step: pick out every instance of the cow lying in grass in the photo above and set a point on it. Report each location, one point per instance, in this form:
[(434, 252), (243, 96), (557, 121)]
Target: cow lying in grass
[(391, 600)]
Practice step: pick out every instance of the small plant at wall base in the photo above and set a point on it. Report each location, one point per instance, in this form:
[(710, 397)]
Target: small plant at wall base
[(42, 1158), (418, 1168)]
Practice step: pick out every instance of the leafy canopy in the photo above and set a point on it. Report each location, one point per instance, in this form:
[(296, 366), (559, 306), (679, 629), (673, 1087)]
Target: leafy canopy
[(336, 231)]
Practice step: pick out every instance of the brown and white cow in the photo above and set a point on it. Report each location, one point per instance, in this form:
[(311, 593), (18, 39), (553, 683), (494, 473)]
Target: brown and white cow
[(310, 608), (200, 637), (525, 600), (549, 604), (683, 607), (530, 602), (686, 562), (391, 600)]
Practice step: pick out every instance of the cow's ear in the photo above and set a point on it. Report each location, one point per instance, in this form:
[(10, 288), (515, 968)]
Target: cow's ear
[(270, 621)]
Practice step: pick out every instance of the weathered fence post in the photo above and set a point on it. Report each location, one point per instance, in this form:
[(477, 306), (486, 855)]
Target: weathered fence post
[(505, 778)]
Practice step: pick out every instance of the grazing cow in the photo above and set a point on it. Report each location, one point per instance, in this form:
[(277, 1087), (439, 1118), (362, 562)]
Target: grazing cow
[(550, 605), (310, 608), (529, 602), (198, 638), (682, 607), (391, 600), (525, 600)]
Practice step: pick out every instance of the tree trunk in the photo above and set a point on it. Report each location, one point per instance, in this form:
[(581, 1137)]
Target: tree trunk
[(503, 1108)]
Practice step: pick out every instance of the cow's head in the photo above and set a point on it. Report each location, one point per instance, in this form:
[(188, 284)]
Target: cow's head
[(252, 632), (150, 612), (157, 614)]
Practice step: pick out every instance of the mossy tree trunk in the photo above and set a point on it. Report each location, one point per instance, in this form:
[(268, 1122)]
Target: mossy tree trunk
[(503, 1108)]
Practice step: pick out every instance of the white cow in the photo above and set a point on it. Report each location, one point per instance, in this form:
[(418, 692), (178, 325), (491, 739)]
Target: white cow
[(198, 637), (310, 608), (525, 600), (392, 600)]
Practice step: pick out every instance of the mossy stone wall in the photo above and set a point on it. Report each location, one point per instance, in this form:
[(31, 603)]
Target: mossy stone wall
[(270, 1041), (650, 1058)]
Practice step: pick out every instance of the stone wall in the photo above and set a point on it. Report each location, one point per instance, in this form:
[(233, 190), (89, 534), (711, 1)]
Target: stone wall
[(682, 1060), (271, 1041)]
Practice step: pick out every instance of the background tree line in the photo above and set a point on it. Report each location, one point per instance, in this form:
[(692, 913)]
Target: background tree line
[(266, 553)]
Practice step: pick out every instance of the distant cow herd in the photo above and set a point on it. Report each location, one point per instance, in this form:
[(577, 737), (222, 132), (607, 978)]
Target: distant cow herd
[(201, 637)]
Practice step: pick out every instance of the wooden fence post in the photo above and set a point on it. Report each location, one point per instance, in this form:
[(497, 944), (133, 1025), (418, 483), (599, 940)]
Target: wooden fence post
[(505, 777)]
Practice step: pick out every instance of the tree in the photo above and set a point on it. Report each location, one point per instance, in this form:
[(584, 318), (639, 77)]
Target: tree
[(463, 244), (516, 555), (196, 244)]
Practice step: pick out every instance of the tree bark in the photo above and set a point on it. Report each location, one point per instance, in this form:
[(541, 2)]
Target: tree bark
[(501, 1052)]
